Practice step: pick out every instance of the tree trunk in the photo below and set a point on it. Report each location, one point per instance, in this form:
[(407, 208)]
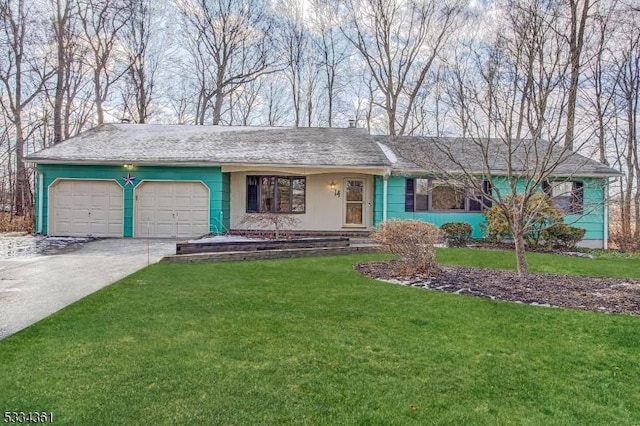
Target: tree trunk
[(521, 259), (576, 42), (58, 134), (60, 28), (330, 94), (98, 95), (22, 195), (217, 108)]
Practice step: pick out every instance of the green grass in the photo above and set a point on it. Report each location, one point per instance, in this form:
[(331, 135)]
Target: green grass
[(601, 266), (310, 341)]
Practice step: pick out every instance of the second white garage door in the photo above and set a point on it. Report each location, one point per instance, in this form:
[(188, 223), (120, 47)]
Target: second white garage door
[(171, 209)]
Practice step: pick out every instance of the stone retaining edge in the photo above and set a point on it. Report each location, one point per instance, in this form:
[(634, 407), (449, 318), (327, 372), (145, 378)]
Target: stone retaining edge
[(266, 254)]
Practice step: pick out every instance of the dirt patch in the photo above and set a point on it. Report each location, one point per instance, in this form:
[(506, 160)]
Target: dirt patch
[(612, 295)]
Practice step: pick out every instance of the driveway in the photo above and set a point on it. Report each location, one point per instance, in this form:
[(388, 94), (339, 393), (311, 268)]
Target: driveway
[(34, 283)]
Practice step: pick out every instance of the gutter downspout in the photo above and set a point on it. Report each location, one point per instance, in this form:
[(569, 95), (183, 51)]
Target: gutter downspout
[(385, 195), (605, 243), (40, 201)]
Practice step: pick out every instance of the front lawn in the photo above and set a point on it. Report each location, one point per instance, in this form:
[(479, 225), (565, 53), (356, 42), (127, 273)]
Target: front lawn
[(601, 266), (311, 341)]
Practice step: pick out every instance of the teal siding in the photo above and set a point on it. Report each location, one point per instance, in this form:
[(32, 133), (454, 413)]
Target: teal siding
[(594, 209), (212, 177), (592, 220), (395, 208)]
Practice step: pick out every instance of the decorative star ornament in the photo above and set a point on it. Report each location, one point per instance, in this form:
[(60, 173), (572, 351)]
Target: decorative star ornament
[(128, 179)]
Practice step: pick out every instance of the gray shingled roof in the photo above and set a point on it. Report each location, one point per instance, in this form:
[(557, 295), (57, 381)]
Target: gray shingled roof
[(229, 145), (288, 146), (419, 154)]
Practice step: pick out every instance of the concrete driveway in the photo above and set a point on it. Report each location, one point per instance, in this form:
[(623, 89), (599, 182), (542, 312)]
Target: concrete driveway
[(33, 286)]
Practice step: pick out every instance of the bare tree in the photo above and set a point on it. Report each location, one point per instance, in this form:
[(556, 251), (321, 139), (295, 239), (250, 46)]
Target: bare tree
[(295, 43), (613, 76), (364, 94), (6, 154), (599, 77), (628, 90), (23, 75), (180, 100), (143, 53), (333, 51), (230, 42), (102, 22), (579, 14), (275, 106), (63, 11), (514, 101), (244, 103), (71, 100), (399, 43)]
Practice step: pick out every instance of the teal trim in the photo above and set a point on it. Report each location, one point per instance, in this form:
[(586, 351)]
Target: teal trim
[(593, 201), (219, 184), (37, 203), (212, 177), (378, 188), (223, 223), (396, 198), (592, 219)]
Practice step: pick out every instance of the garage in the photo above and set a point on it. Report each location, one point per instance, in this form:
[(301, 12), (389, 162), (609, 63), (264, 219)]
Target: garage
[(171, 209), (83, 208)]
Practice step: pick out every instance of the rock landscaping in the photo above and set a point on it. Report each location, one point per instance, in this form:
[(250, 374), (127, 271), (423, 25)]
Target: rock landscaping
[(611, 295)]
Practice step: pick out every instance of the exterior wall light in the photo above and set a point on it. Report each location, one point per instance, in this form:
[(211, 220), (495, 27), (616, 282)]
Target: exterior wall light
[(333, 186)]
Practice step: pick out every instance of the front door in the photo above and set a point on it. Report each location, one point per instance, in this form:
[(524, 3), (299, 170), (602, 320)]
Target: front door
[(354, 202)]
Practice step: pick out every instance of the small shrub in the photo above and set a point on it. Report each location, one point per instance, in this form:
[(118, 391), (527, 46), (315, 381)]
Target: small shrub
[(541, 213), (457, 234), (11, 223), (624, 242), (279, 222), (413, 241), (561, 235)]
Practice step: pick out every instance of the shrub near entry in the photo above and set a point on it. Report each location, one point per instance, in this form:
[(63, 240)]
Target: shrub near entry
[(413, 241)]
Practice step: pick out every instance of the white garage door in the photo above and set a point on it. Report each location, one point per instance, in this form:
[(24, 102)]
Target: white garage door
[(172, 209), (82, 208)]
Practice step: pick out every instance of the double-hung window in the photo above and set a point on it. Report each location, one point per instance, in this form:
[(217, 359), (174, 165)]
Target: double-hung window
[(425, 194), (276, 194)]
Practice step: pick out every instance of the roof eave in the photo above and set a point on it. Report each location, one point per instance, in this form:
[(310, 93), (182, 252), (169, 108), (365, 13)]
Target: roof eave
[(191, 163), (406, 171)]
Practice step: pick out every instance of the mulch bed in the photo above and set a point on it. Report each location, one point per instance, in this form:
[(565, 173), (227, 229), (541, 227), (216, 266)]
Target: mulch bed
[(611, 295)]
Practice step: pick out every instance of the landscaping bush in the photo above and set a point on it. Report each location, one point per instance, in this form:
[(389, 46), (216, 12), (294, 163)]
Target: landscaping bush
[(413, 241), (11, 223), (561, 235), (541, 215), (457, 234)]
